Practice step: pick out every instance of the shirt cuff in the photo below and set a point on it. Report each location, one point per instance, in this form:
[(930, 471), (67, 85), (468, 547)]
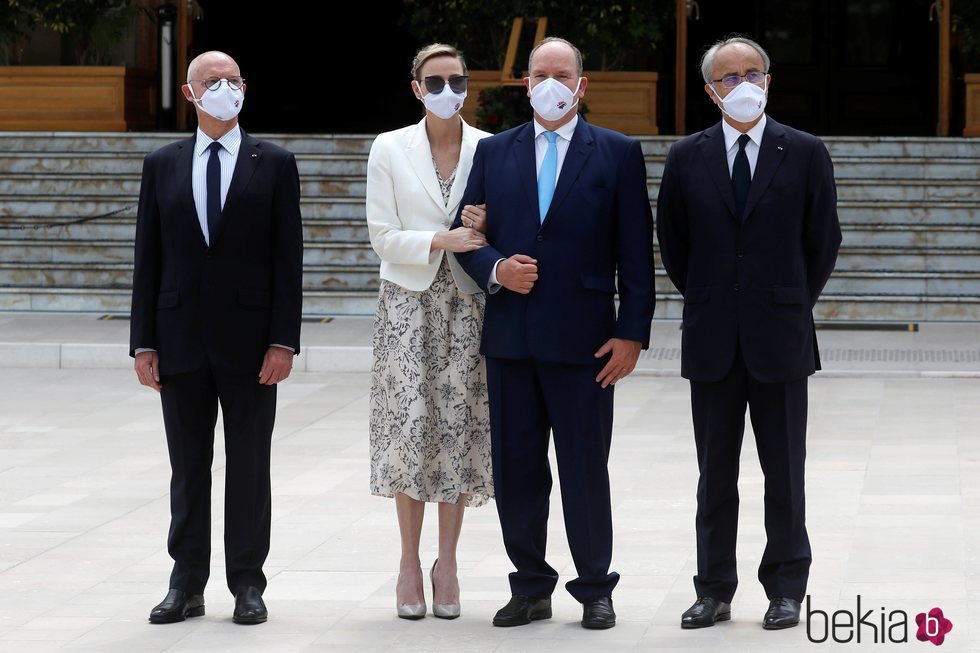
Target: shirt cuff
[(493, 285), (283, 347), (140, 350)]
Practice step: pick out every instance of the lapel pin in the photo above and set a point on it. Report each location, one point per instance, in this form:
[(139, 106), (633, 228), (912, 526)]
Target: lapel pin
[(778, 147), (255, 156)]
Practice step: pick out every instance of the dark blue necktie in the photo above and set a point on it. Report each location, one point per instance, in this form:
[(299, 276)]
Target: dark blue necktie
[(214, 190), (741, 176)]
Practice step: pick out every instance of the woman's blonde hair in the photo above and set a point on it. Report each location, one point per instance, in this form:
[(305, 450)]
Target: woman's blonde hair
[(432, 51)]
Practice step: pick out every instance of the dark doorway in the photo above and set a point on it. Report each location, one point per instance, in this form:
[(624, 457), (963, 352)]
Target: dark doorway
[(839, 67), (316, 67)]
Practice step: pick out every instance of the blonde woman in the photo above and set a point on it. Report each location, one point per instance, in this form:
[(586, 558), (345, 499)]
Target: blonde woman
[(429, 421)]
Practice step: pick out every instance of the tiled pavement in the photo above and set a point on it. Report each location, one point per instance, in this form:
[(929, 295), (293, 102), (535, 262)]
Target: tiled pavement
[(893, 486)]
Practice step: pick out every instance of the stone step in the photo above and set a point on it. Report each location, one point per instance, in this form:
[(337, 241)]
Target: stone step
[(120, 275), (41, 142), (852, 258), (365, 278), (44, 185), (857, 307), (34, 209)]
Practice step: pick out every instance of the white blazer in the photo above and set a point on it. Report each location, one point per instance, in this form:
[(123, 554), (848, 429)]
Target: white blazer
[(405, 208)]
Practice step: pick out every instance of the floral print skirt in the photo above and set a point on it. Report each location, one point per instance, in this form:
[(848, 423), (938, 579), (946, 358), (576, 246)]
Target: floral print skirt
[(430, 421)]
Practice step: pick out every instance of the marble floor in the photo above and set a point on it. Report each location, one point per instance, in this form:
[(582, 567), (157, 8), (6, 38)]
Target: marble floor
[(893, 514)]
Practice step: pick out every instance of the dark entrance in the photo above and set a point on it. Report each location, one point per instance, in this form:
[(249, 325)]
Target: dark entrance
[(839, 67), (316, 67)]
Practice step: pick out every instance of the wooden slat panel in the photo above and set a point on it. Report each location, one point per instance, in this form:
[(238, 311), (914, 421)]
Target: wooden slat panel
[(972, 123)]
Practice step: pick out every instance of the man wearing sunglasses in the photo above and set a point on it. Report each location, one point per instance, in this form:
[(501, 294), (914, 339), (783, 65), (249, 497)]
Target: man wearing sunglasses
[(568, 223), (748, 231), (216, 312)]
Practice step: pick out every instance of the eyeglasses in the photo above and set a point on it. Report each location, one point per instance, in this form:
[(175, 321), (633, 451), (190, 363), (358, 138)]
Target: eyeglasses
[(212, 83), (731, 81), (435, 83)]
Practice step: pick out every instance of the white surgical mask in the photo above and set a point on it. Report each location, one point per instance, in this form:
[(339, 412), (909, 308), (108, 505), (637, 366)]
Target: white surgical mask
[(224, 103), (551, 99), (445, 104), (745, 103)]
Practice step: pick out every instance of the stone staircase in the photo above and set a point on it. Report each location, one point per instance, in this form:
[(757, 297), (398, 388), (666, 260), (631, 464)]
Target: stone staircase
[(909, 207)]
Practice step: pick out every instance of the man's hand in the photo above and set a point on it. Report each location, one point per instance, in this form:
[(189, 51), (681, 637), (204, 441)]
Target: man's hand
[(276, 365), (518, 273), (148, 369), (474, 216), (625, 353)]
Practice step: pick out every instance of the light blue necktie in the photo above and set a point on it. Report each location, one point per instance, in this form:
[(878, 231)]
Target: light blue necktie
[(548, 175)]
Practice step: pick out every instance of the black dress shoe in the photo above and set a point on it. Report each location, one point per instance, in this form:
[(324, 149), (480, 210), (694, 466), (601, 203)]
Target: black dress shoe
[(522, 610), (177, 606), (249, 607), (705, 612), (782, 613), (598, 613)]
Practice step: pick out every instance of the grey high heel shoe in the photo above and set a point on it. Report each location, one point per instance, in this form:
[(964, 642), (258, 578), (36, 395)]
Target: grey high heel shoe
[(411, 610), (441, 610)]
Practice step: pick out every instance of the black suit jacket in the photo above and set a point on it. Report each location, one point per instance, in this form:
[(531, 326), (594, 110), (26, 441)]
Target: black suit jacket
[(599, 229), (230, 301), (750, 282)]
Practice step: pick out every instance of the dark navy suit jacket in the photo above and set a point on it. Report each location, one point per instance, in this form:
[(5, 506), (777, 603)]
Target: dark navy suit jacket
[(751, 282), (596, 238)]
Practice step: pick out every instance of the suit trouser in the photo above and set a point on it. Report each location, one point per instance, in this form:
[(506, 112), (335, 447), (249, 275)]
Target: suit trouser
[(190, 412), (527, 399), (778, 412)]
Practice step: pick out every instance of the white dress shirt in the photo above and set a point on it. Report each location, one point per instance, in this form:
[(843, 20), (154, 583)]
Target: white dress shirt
[(751, 148), (565, 133), (228, 156)]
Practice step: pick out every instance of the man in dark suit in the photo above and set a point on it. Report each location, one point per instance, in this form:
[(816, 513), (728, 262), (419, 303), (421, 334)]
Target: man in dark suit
[(567, 213), (217, 302), (748, 231)]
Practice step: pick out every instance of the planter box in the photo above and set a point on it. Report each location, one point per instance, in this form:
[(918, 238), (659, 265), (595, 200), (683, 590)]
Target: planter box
[(76, 98), (971, 125), (624, 101)]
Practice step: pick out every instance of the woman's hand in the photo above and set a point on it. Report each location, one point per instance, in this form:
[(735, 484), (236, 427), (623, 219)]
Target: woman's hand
[(475, 217), (462, 239)]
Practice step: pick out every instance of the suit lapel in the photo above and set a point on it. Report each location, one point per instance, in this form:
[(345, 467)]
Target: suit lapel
[(771, 153), (712, 146), (420, 158), (579, 150), (249, 155), (466, 149), (184, 174), (526, 167)]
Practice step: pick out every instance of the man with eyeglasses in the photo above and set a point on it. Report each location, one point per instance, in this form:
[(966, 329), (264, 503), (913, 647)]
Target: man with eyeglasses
[(216, 312), (748, 231)]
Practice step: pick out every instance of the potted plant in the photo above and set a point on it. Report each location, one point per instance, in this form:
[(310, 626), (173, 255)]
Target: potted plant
[(86, 94), (965, 21), (618, 42)]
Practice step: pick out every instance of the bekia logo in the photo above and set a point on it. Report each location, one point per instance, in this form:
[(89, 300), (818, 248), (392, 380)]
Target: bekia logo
[(932, 626), (874, 626)]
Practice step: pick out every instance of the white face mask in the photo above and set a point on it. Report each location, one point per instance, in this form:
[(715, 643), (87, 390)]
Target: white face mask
[(745, 103), (445, 104), (552, 100), (223, 103)]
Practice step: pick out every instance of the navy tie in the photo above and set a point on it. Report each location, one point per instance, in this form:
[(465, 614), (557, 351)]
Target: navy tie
[(741, 176), (214, 190)]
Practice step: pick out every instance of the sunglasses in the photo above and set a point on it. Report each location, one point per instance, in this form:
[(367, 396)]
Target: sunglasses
[(435, 83)]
